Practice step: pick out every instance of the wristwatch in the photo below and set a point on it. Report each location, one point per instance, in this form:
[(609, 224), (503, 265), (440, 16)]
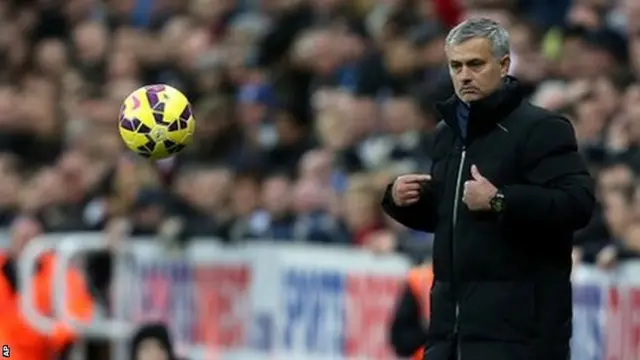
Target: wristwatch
[(497, 203)]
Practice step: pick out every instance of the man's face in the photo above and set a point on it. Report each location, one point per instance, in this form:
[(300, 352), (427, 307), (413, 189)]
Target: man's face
[(91, 41), (475, 72), (276, 195), (615, 179), (151, 349)]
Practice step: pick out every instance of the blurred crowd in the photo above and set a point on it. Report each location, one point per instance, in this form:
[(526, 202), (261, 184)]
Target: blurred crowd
[(305, 110)]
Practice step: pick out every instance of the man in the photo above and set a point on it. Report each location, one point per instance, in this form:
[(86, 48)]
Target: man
[(506, 191), (408, 328), (24, 341), (152, 342)]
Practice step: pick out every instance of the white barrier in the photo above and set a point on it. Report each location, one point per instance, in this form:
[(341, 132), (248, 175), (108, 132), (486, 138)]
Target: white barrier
[(42, 322), (256, 301), (290, 301), (607, 313)]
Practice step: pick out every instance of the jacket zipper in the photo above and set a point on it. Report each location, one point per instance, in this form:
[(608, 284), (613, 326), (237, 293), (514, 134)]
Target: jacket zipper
[(456, 201)]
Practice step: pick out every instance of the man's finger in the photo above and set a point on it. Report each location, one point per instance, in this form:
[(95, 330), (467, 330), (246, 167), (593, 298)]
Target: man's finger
[(411, 201), (475, 173), (468, 185), (412, 194), (412, 187), (418, 178)]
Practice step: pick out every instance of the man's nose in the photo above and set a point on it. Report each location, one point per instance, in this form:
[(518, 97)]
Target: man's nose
[(465, 75), (465, 81)]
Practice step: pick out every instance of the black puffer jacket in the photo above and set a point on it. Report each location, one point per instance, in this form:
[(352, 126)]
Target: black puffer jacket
[(502, 289)]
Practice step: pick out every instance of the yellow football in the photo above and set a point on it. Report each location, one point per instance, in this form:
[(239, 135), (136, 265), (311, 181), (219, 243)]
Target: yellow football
[(156, 121)]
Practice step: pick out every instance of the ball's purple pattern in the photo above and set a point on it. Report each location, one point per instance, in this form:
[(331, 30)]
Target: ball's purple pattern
[(176, 148), (142, 128), (155, 88), (144, 151), (174, 126), (155, 103), (152, 98), (186, 113), (183, 119), (127, 124), (172, 147), (149, 146), (158, 117), (133, 125)]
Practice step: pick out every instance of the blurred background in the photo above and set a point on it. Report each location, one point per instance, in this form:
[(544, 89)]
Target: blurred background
[(265, 238)]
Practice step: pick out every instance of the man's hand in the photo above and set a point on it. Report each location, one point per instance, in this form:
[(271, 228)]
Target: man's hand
[(606, 258), (381, 242), (576, 256), (478, 192), (406, 189)]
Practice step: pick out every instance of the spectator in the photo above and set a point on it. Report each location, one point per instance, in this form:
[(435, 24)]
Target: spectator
[(27, 342), (245, 202), (611, 218), (279, 219), (411, 318), (152, 342), (315, 223), (201, 195), (10, 182), (362, 215)]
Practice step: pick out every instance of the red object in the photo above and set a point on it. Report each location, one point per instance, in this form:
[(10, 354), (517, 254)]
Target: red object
[(360, 235), (220, 290), (370, 301), (25, 342), (622, 339), (448, 11), (420, 281)]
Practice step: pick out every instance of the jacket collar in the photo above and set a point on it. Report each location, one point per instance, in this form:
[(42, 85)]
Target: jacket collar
[(486, 113)]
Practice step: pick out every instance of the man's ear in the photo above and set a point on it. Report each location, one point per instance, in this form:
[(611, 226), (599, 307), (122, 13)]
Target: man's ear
[(505, 63)]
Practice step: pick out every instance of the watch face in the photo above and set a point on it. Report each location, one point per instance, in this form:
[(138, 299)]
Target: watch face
[(497, 203)]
